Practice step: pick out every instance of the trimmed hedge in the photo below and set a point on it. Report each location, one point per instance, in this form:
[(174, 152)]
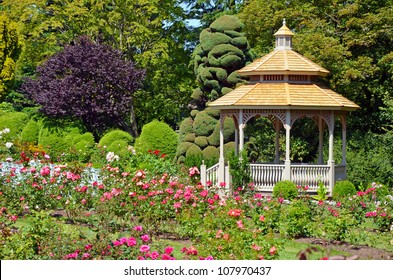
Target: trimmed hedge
[(157, 135), (201, 141), (204, 124), (30, 132), (15, 121), (211, 153), (115, 135)]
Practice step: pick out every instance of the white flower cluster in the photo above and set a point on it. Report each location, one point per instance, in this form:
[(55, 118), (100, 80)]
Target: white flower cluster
[(110, 157), (4, 131)]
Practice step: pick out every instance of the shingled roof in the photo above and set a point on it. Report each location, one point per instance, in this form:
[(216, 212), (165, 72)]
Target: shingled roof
[(283, 79)]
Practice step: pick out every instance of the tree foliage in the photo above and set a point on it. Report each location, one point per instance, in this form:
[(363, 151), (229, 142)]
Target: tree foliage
[(90, 82), (222, 50), (9, 53)]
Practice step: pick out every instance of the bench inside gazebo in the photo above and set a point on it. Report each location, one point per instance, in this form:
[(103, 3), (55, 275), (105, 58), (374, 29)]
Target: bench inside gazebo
[(283, 87)]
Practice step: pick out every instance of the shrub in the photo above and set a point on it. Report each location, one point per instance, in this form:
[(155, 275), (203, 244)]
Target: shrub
[(204, 124), (115, 135), (296, 220), (119, 147), (15, 121), (57, 139), (190, 137), (30, 132), (201, 141), (211, 154), (183, 147), (84, 150), (185, 128), (193, 151), (87, 137), (342, 189), (157, 135), (285, 189)]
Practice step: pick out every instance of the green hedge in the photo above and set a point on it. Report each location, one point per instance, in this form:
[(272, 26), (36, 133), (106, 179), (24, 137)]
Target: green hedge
[(30, 132), (157, 135), (204, 124), (115, 135), (15, 121)]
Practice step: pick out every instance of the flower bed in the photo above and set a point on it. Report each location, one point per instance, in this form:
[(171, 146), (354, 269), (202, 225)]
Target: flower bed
[(126, 215)]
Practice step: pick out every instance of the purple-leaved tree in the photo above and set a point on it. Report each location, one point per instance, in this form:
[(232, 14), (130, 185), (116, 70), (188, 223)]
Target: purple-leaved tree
[(89, 82)]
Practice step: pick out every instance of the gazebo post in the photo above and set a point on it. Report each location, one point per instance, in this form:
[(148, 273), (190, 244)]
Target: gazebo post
[(320, 128), (221, 162), (277, 142), (287, 170), (331, 153), (241, 132)]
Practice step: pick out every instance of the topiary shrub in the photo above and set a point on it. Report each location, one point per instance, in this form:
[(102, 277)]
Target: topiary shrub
[(84, 150), (285, 189), (183, 147), (119, 147), (194, 151), (229, 148), (30, 132), (201, 141), (211, 154), (185, 128), (190, 137), (88, 137), (115, 135), (157, 135), (342, 189), (204, 124), (57, 139)]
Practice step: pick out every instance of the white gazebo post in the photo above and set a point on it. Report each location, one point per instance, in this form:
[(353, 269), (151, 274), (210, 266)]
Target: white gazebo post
[(277, 142), (221, 166), (241, 132), (331, 153), (287, 170)]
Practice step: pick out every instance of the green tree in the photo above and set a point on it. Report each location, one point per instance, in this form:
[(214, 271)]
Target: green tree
[(150, 32), (9, 53)]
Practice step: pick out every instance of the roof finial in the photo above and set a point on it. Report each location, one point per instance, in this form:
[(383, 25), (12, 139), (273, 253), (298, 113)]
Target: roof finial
[(284, 22)]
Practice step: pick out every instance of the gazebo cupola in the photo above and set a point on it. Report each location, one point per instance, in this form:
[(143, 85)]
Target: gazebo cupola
[(284, 38), (283, 87)]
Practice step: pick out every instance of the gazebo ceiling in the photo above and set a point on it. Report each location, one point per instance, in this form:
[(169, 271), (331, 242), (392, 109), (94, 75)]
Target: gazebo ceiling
[(283, 96), (283, 62)]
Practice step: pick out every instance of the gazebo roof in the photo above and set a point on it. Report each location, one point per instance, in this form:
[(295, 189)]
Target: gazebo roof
[(285, 82), (283, 62), (284, 96)]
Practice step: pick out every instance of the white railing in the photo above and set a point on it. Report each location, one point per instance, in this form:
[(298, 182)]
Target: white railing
[(265, 176), (212, 174), (310, 175)]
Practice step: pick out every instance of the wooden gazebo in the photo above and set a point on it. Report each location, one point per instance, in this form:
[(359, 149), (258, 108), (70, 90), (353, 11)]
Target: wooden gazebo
[(283, 87)]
